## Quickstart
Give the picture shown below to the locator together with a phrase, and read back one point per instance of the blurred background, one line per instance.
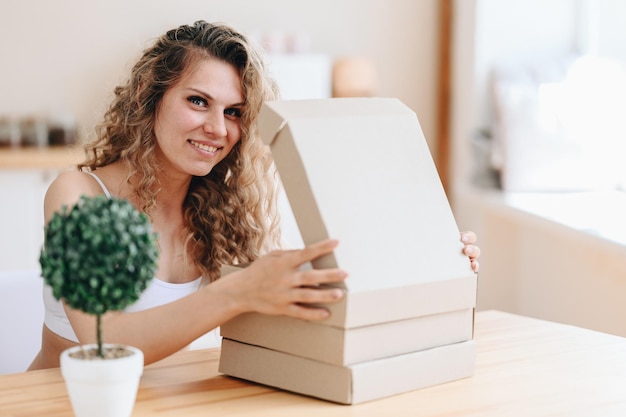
(521, 101)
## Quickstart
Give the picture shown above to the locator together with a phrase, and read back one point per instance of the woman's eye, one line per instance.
(198, 101)
(233, 112)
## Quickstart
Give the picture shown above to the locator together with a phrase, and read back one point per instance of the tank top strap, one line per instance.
(104, 188)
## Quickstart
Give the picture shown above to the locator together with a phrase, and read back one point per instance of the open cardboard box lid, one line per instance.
(359, 170)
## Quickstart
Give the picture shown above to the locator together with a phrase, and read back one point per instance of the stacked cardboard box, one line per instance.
(359, 170)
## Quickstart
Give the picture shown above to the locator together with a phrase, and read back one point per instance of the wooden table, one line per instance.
(525, 367)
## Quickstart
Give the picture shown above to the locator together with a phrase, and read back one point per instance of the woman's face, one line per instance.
(198, 120)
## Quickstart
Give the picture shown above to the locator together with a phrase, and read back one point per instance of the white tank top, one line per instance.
(157, 293)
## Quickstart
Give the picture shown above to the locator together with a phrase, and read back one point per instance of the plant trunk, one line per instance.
(99, 330)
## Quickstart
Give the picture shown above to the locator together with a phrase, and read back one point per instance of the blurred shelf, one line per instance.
(53, 157)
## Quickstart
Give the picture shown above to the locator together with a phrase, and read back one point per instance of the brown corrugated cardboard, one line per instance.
(349, 385)
(349, 346)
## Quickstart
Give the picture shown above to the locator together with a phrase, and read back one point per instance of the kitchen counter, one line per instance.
(53, 157)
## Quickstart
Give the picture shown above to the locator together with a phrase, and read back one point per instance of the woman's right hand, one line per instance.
(275, 285)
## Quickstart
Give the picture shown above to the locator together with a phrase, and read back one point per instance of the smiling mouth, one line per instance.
(203, 147)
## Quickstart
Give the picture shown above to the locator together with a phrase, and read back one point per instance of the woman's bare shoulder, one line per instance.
(74, 183)
(66, 189)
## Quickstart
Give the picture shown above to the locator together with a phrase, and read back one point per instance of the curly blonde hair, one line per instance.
(230, 214)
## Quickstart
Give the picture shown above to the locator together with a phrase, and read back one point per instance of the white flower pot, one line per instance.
(102, 387)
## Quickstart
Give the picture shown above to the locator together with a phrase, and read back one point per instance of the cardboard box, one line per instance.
(342, 347)
(359, 170)
(354, 384)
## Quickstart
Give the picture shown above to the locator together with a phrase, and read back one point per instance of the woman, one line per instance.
(179, 142)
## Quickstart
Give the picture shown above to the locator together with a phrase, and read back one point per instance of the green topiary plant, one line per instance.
(99, 256)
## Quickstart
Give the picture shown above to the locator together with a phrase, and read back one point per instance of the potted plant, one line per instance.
(97, 257)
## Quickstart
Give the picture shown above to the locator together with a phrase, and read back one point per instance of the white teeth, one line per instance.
(203, 147)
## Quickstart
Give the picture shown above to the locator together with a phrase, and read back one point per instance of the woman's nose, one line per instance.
(215, 124)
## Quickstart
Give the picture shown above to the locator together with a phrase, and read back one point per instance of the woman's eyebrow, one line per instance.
(210, 97)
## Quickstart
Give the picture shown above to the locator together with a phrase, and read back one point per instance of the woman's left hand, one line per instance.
(471, 250)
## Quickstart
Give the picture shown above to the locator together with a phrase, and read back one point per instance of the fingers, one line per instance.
(316, 250)
(305, 299)
(277, 284)
(317, 295)
(310, 313)
(304, 303)
(308, 307)
(306, 293)
(475, 265)
(314, 277)
(472, 251)
(468, 237)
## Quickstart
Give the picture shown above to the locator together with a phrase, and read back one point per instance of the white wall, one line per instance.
(67, 55)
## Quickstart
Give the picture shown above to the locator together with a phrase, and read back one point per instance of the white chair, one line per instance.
(21, 318)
